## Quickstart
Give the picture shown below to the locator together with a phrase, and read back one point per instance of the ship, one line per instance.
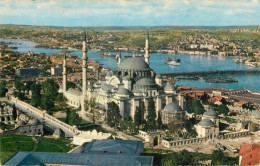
(172, 61)
(107, 55)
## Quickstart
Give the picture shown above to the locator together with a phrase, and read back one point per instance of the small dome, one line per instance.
(256, 114)
(106, 87)
(172, 108)
(21, 123)
(133, 63)
(109, 74)
(211, 113)
(34, 122)
(158, 76)
(145, 81)
(206, 123)
(169, 86)
(123, 91)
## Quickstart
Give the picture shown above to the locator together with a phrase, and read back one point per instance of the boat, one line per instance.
(172, 61)
(107, 55)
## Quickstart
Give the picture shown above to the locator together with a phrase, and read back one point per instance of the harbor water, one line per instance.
(188, 63)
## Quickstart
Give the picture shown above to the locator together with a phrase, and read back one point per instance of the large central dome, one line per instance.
(133, 63)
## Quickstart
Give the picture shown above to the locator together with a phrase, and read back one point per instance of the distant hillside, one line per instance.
(125, 28)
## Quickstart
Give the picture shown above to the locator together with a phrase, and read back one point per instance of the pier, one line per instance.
(211, 73)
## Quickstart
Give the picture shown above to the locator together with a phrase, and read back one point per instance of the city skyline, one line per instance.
(130, 13)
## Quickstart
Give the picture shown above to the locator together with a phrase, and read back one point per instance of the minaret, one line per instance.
(64, 73)
(84, 72)
(146, 55)
(119, 58)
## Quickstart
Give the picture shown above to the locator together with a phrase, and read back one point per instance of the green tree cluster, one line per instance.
(113, 115)
(3, 89)
(183, 157)
(194, 106)
(151, 116)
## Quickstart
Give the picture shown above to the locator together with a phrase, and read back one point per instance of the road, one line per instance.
(45, 122)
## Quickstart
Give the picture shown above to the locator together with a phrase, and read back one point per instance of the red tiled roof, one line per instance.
(242, 102)
(250, 154)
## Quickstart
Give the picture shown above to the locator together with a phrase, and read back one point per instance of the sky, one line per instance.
(130, 12)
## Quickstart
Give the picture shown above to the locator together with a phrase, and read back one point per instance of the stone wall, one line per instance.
(79, 136)
(26, 130)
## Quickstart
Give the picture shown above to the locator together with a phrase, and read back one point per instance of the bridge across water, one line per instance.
(214, 72)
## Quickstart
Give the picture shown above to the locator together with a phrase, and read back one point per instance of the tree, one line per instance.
(183, 157)
(138, 117)
(74, 118)
(36, 95)
(151, 123)
(14, 112)
(220, 158)
(222, 109)
(113, 115)
(47, 102)
(67, 115)
(91, 106)
(194, 106)
(159, 121)
(50, 88)
(3, 89)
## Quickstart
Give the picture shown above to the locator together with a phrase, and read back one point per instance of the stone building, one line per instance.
(172, 113)
(207, 129)
(211, 115)
(6, 114)
(129, 86)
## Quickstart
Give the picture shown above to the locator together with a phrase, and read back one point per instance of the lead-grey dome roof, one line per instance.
(123, 91)
(211, 113)
(256, 114)
(169, 86)
(145, 81)
(206, 123)
(172, 108)
(106, 87)
(134, 63)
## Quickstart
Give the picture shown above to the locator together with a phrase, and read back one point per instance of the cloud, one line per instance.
(137, 10)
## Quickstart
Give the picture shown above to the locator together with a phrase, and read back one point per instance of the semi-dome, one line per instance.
(133, 63)
(211, 113)
(206, 123)
(21, 123)
(169, 86)
(158, 76)
(34, 122)
(106, 87)
(172, 108)
(127, 78)
(123, 91)
(256, 114)
(145, 81)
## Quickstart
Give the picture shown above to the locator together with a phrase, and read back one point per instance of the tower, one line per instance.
(64, 73)
(146, 55)
(84, 72)
(119, 58)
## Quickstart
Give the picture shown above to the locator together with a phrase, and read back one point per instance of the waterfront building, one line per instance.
(129, 86)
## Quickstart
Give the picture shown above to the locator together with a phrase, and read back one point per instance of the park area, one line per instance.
(11, 144)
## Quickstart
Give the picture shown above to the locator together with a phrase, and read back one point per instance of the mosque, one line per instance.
(129, 86)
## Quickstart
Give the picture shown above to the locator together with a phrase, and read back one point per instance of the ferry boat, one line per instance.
(172, 61)
(107, 55)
